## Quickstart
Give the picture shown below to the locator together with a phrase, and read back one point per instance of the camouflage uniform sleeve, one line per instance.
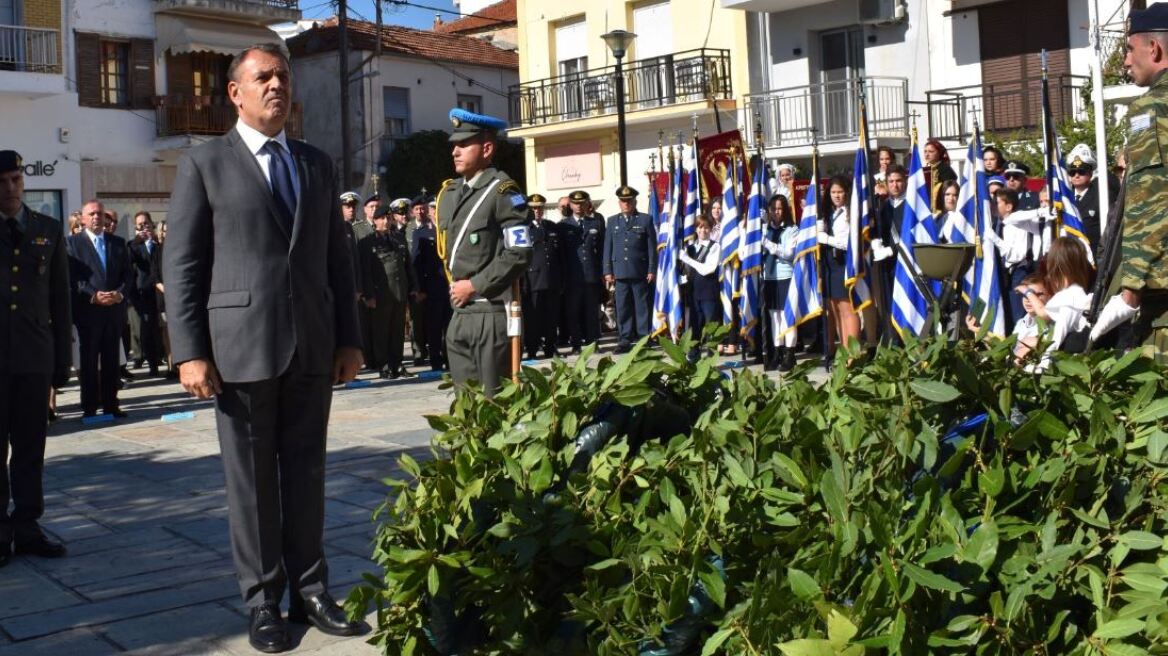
(514, 252)
(1145, 226)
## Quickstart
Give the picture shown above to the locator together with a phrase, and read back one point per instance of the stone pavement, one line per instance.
(141, 505)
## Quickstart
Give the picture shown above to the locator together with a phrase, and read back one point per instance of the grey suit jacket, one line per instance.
(241, 290)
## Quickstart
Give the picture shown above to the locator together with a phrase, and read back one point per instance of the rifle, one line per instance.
(1109, 257)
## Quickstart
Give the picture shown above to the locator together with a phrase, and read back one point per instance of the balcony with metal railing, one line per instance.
(266, 12)
(1003, 107)
(790, 116)
(179, 116)
(30, 61)
(675, 79)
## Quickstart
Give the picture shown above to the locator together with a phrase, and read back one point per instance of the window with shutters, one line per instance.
(115, 73)
(470, 103)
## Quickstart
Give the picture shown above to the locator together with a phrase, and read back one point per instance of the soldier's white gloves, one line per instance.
(1114, 314)
(880, 251)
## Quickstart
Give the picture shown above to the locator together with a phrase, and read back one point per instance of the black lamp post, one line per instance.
(618, 42)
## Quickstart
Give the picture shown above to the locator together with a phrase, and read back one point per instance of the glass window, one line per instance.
(115, 73)
(471, 103)
(47, 202)
(397, 111)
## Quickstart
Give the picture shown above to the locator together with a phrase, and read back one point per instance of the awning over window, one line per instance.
(185, 34)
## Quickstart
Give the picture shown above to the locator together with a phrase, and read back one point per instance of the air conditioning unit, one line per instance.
(882, 12)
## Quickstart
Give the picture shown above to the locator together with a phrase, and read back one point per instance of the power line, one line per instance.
(447, 11)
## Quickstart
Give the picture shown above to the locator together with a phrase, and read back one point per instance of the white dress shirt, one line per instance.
(255, 142)
(710, 263)
(840, 230)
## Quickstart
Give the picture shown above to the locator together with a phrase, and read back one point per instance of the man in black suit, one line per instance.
(35, 351)
(261, 316)
(543, 282)
(99, 268)
(583, 232)
(143, 297)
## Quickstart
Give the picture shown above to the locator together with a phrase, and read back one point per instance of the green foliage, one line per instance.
(423, 160)
(847, 520)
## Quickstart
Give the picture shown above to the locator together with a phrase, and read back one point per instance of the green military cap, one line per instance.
(579, 196)
(469, 124)
(1152, 19)
(10, 161)
(536, 199)
(626, 192)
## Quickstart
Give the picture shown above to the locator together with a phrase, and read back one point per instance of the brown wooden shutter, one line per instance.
(142, 73)
(88, 69)
(1011, 35)
(180, 75)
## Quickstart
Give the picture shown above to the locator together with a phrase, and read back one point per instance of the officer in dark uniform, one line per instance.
(389, 286)
(349, 201)
(630, 262)
(433, 292)
(35, 352)
(484, 239)
(583, 234)
(362, 228)
(1016, 174)
(544, 281)
(419, 216)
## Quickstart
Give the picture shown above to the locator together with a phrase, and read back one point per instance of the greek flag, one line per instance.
(959, 224)
(689, 223)
(729, 242)
(803, 301)
(986, 304)
(910, 307)
(1062, 197)
(750, 255)
(666, 294)
(856, 255)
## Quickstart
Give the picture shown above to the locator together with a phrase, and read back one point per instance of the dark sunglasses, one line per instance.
(1015, 176)
(1078, 171)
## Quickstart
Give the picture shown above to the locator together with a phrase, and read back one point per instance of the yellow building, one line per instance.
(689, 58)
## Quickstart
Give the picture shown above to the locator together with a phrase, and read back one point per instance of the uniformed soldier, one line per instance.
(630, 262)
(1085, 185)
(484, 240)
(35, 353)
(583, 233)
(362, 228)
(389, 286)
(349, 202)
(1016, 174)
(433, 293)
(1140, 286)
(419, 216)
(544, 281)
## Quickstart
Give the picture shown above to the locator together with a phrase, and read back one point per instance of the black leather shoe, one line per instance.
(125, 374)
(5, 547)
(34, 542)
(267, 631)
(623, 347)
(325, 614)
(118, 413)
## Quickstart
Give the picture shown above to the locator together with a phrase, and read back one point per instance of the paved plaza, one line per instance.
(141, 505)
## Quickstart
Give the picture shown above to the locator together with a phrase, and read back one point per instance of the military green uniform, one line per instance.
(484, 239)
(1145, 218)
(362, 229)
(389, 280)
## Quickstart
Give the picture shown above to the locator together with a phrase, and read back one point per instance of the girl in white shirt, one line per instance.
(833, 239)
(1068, 275)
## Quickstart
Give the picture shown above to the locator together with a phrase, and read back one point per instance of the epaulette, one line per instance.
(508, 186)
(448, 182)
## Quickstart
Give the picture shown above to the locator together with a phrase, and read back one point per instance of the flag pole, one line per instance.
(1048, 156)
(820, 254)
(878, 275)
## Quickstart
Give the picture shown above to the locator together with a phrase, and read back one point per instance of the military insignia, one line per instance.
(508, 186)
(474, 239)
(517, 237)
(41, 268)
(593, 231)
(41, 241)
(517, 200)
(1140, 123)
(455, 121)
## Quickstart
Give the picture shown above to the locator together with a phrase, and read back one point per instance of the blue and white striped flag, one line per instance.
(750, 255)
(728, 241)
(959, 224)
(986, 304)
(804, 300)
(666, 292)
(856, 255)
(689, 222)
(910, 307)
(1062, 197)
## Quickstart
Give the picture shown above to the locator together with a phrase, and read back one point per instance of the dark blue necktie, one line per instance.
(282, 187)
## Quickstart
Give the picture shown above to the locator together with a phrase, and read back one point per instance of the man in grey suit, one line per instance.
(259, 287)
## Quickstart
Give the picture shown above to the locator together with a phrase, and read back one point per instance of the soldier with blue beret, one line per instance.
(485, 242)
(630, 263)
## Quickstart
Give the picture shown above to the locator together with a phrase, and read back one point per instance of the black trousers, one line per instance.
(634, 309)
(145, 344)
(438, 312)
(272, 437)
(100, 341)
(24, 408)
(580, 312)
(543, 312)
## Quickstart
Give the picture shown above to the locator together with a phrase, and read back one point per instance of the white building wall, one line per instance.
(38, 139)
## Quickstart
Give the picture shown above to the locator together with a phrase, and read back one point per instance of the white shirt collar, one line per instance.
(896, 202)
(474, 180)
(93, 237)
(255, 140)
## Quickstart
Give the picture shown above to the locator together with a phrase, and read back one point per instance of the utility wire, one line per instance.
(406, 3)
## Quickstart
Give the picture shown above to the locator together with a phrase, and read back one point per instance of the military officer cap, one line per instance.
(399, 206)
(1016, 168)
(382, 210)
(371, 198)
(626, 192)
(579, 196)
(1080, 157)
(996, 179)
(350, 197)
(418, 200)
(10, 161)
(536, 200)
(1152, 19)
(469, 124)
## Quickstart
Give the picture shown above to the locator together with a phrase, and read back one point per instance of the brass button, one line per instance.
(15, 269)
(16, 251)
(15, 288)
(12, 307)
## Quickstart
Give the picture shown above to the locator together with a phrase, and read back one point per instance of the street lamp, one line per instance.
(618, 42)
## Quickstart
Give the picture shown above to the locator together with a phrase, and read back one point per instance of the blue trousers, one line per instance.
(634, 308)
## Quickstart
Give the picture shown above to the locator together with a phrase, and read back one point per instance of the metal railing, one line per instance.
(790, 115)
(1003, 107)
(208, 115)
(29, 49)
(672, 79)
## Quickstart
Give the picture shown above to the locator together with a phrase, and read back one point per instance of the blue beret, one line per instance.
(1152, 19)
(468, 124)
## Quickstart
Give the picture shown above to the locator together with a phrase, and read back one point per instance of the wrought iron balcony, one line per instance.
(674, 79)
(789, 116)
(1003, 107)
(264, 11)
(208, 115)
(29, 49)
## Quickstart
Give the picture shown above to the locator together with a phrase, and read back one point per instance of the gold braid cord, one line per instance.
(439, 233)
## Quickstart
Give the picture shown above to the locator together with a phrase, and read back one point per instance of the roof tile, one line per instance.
(423, 44)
